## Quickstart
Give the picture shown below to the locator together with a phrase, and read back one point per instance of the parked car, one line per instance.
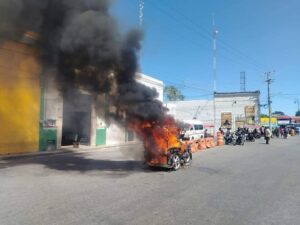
(193, 129)
(297, 128)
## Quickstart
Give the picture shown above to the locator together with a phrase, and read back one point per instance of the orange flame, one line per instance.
(158, 137)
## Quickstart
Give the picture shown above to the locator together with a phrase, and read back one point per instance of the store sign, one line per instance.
(283, 122)
(250, 111)
(265, 121)
(226, 119)
(250, 115)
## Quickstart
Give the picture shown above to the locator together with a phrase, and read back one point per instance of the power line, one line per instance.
(191, 42)
(297, 102)
(186, 86)
(197, 45)
(206, 35)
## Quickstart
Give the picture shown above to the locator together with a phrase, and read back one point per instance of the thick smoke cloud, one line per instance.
(81, 40)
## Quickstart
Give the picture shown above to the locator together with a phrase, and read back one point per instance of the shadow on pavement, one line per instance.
(78, 163)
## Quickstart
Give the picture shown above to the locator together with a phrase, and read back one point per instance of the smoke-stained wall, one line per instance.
(111, 129)
(19, 98)
(81, 40)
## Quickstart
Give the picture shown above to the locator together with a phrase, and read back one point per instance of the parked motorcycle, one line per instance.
(240, 139)
(250, 137)
(229, 139)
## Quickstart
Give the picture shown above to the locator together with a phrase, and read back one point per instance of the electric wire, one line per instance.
(207, 35)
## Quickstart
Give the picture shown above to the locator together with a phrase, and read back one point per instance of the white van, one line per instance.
(192, 129)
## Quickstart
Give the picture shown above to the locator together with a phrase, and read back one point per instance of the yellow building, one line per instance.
(19, 98)
(36, 116)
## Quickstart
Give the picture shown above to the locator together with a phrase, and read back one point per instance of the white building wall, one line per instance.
(53, 104)
(224, 102)
(117, 134)
(151, 82)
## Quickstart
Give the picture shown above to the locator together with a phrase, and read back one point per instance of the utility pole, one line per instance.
(214, 65)
(141, 12)
(214, 68)
(269, 80)
(297, 102)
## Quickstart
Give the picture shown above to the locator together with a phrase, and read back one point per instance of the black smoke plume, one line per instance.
(81, 40)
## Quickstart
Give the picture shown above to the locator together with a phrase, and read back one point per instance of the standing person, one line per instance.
(205, 133)
(281, 132)
(268, 135)
(261, 129)
(277, 132)
(286, 132)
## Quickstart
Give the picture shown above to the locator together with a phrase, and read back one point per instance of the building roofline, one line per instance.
(189, 101)
(149, 78)
(237, 92)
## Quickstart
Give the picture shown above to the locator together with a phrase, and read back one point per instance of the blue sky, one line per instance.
(255, 36)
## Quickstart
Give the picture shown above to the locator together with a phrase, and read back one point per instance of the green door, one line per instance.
(47, 139)
(101, 136)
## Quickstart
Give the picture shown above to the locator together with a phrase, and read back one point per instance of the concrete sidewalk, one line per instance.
(71, 149)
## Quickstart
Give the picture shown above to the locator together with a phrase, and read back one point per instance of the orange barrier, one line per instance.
(293, 133)
(212, 143)
(208, 143)
(194, 146)
(202, 144)
(220, 139)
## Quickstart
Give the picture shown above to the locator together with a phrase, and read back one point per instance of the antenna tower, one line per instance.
(141, 12)
(243, 81)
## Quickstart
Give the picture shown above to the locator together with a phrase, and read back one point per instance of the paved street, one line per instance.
(232, 185)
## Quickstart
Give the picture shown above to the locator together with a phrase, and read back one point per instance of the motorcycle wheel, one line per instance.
(188, 159)
(176, 162)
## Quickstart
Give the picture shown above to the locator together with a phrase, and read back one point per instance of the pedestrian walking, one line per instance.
(268, 134)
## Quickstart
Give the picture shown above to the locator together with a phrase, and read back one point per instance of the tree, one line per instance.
(278, 113)
(173, 94)
(298, 113)
(264, 116)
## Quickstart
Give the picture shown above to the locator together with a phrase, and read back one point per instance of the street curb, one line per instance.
(70, 150)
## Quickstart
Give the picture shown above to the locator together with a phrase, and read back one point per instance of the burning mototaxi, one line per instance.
(162, 145)
(172, 157)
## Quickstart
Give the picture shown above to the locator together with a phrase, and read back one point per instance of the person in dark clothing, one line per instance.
(277, 132)
(285, 132)
(262, 131)
(205, 133)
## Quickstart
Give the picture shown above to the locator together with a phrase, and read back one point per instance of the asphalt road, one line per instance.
(232, 185)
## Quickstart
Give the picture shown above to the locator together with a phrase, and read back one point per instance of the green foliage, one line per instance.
(264, 116)
(278, 113)
(297, 113)
(173, 94)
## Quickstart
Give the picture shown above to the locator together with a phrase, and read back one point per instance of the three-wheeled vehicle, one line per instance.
(172, 157)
